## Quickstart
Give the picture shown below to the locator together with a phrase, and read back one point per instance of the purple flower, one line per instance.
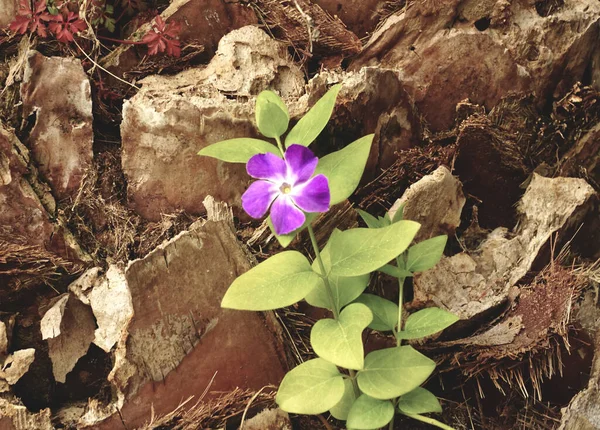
(286, 186)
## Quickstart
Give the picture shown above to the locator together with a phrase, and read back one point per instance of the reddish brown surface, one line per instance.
(180, 337)
(56, 96)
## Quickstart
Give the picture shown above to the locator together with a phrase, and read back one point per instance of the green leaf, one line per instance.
(419, 401)
(427, 322)
(279, 281)
(392, 372)
(315, 120)
(109, 24)
(398, 215)
(369, 413)
(363, 250)
(238, 150)
(344, 289)
(424, 255)
(312, 388)
(385, 313)
(285, 239)
(340, 341)
(369, 219)
(272, 116)
(345, 167)
(394, 271)
(340, 411)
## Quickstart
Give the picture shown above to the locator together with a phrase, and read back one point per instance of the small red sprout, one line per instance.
(163, 37)
(32, 20)
(65, 25)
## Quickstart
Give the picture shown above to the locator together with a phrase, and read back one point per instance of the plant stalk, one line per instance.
(315, 245)
(334, 309)
(431, 421)
(282, 154)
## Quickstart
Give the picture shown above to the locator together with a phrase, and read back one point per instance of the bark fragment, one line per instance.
(435, 201)
(470, 283)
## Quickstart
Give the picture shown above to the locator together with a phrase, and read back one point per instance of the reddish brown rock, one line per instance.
(56, 98)
(470, 283)
(22, 215)
(435, 202)
(179, 328)
(361, 17)
(452, 50)
(8, 10)
(206, 22)
(372, 100)
(172, 118)
(203, 24)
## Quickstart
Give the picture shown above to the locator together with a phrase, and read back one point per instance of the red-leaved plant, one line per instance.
(38, 20)
(163, 38)
(33, 20)
(65, 25)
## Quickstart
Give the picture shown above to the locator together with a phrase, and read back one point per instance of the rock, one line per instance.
(68, 326)
(583, 159)
(203, 24)
(17, 417)
(111, 304)
(436, 202)
(583, 411)
(269, 419)
(8, 10)
(179, 328)
(206, 22)
(56, 98)
(3, 340)
(468, 284)
(16, 365)
(110, 301)
(21, 211)
(172, 118)
(491, 168)
(483, 51)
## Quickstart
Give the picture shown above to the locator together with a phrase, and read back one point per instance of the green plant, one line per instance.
(294, 185)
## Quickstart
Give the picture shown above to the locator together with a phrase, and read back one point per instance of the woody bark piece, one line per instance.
(491, 168)
(172, 118)
(483, 56)
(435, 201)
(16, 365)
(468, 284)
(179, 328)
(359, 16)
(583, 159)
(308, 27)
(57, 98)
(21, 212)
(17, 417)
(68, 326)
(8, 10)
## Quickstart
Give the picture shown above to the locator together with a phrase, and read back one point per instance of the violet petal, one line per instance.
(266, 166)
(286, 216)
(258, 197)
(301, 163)
(314, 195)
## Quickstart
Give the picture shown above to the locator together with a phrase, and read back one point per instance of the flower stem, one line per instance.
(399, 328)
(401, 279)
(282, 153)
(431, 421)
(334, 308)
(124, 42)
(315, 245)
